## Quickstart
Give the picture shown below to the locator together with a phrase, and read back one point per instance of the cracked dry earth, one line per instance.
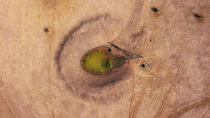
(42, 42)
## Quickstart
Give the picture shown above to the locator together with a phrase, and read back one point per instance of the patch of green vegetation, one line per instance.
(97, 62)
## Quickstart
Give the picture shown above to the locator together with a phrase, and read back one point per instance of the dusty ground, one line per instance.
(42, 41)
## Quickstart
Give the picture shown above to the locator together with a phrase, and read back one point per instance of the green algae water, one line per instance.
(97, 62)
(100, 60)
